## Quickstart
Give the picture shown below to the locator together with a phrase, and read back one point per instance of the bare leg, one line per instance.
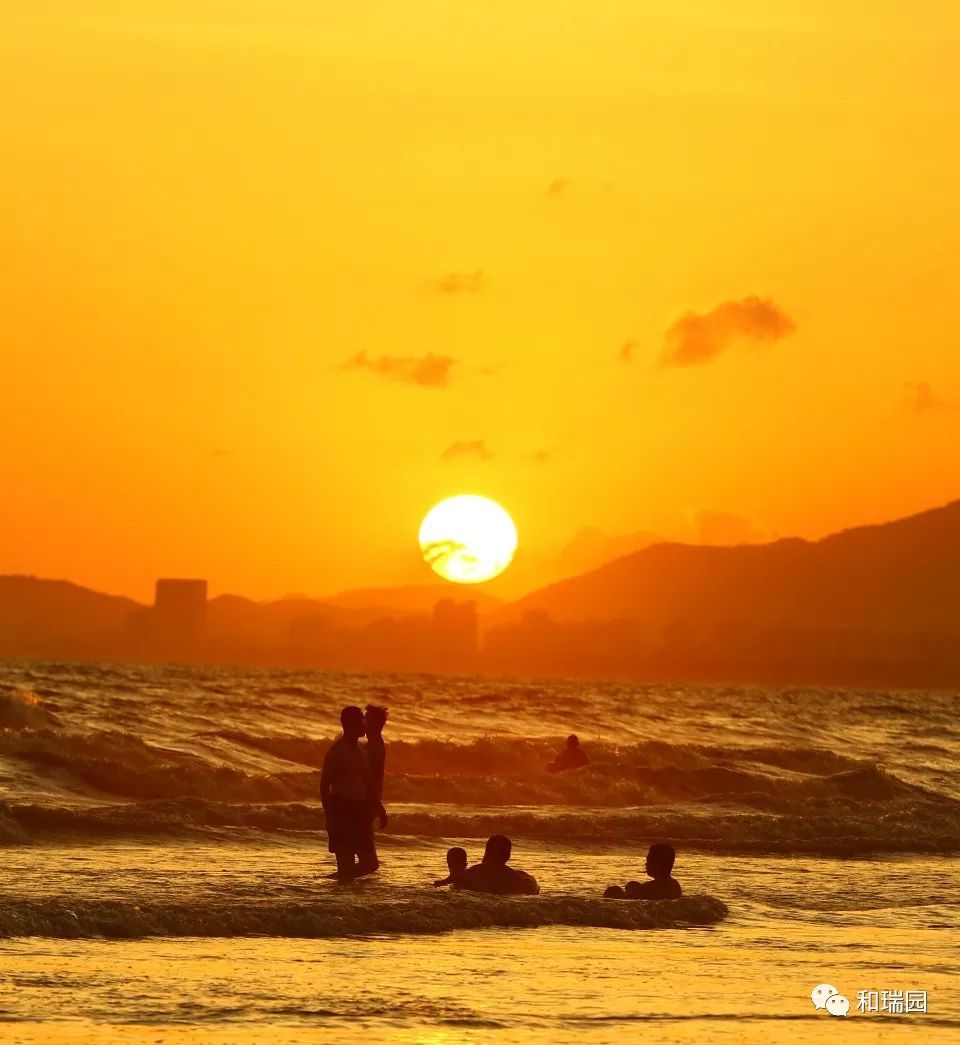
(367, 866)
(367, 859)
(346, 868)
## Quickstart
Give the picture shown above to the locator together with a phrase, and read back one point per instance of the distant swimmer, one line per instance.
(571, 757)
(492, 875)
(456, 865)
(664, 886)
(349, 798)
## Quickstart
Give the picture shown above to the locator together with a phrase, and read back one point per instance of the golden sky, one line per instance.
(277, 276)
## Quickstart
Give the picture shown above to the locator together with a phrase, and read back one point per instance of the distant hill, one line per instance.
(414, 599)
(876, 605)
(591, 548)
(235, 619)
(58, 619)
(49, 617)
(902, 576)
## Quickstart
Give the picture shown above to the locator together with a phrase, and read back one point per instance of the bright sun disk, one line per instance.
(468, 539)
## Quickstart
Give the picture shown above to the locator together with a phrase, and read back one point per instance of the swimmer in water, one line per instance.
(660, 859)
(571, 757)
(456, 865)
(492, 875)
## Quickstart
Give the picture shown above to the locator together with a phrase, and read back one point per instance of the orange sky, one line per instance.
(210, 207)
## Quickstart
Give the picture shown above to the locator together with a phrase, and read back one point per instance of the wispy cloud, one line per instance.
(559, 186)
(468, 448)
(923, 399)
(722, 528)
(542, 457)
(436, 550)
(627, 350)
(461, 283)
(427, 371)
(699, 337)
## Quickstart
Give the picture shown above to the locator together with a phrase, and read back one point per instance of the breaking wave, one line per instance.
(497, 771)
(21, 708)
(99, 751)
(829, 830)
(421, 914)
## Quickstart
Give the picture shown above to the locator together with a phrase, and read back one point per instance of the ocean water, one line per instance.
(163, 860)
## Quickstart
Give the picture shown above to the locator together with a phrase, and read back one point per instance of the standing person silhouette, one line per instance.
(347, 794)
(374, 720)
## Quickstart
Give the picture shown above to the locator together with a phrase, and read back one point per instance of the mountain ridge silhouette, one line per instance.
(883, 594)
(903, 574)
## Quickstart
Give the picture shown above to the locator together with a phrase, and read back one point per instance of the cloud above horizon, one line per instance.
(468, 448)
(627, 350)
(427, 371)
(461, 283)
(723, 528)
(699, 337)
(923, 399)
(591, 547)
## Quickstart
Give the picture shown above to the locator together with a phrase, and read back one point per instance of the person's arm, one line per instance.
(561, 763)
(326, 775)
(527, 884)
(444, 881)
(369, 790)
(636, 891)
(471, 879)
(373, 786)
(377, 754)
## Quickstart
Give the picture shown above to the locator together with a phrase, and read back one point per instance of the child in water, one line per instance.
(664, 886)
(456, 865)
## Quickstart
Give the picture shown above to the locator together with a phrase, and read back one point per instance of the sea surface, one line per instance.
(163, 856)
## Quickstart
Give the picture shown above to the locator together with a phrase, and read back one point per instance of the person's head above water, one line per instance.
(351, 718)
(456, 858)
(660, 858)
(573, 740)
(376, 719)
(498, 850)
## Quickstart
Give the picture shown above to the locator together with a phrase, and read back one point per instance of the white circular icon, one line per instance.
(837, 1005)
(821, 993)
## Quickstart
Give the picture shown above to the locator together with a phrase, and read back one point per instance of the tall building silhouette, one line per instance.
(454, 633)
(180, 611)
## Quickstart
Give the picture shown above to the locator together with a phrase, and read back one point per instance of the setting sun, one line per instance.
(468, 539)
(309, 312)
